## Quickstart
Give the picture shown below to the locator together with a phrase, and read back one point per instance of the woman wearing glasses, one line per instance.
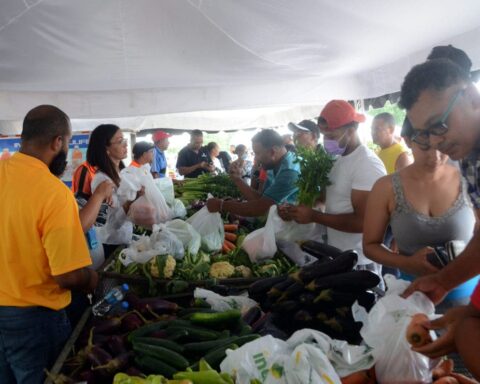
(426, 205)
(107, 149)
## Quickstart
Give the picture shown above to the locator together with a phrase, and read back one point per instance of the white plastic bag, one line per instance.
(384, 330)
(142, 213)
(179, 210)
(270, 360)
(210, 227)
(224, 303)
(254, 361)
(140, 251)
(184, 232)
(261, 244)
(162, 237)
(165, 186)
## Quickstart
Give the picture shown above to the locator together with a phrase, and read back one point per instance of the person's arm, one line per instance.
(187, 170)
(345, 222)
(403, 161)
(84, 279)
(253, 208)
(377, 218)
(88, 214)
(235, 172)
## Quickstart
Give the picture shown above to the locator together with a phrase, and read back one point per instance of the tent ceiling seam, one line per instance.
(243, 46)
(15, 18)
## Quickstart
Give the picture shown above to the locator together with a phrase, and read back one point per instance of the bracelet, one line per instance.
(221, 205)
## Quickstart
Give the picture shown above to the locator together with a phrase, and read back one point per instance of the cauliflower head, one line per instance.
(243, 271)
(222, 270)
(162, 266)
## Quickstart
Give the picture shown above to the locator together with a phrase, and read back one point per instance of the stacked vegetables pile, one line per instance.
(220, 186)
(157, 337)
(319, 295)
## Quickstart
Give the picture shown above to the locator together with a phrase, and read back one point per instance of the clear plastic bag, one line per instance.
(179, 210)
(165, 186)
(210, 227)
(162, 237)
(224, 303)
(384, 330)
(142, 213)
(184, 232)
(261, 244)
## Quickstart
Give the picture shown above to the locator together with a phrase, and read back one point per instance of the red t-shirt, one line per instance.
(475, 299)
(263, 175)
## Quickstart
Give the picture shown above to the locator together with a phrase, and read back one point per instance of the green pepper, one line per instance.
(201, 377)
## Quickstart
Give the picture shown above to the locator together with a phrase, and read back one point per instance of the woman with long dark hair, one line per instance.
(106, 151)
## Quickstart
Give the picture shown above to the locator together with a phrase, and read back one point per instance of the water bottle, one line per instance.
(119, 308)
(115, 295)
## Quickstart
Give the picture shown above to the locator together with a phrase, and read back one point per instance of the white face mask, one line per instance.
(244, 156)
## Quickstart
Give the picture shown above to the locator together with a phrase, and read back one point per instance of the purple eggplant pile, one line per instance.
(318, 296)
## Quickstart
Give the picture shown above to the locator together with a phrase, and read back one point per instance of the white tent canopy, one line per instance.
(144, 63)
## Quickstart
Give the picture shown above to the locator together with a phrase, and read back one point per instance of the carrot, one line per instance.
(230, 237)
(225, 248)
(446, 380)
(229, 245)
(417, 335)
(230, 227)
(445, 368)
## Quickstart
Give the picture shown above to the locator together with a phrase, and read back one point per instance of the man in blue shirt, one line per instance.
(159, 166)
(281, 187)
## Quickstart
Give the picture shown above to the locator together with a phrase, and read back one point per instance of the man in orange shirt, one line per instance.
(142, 154)
(43, 253)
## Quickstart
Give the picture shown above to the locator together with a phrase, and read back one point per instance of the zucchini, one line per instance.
(218, 319)
(169, 344)
(167, 356)
(147, 329)
(348, 281)
(343, 263)
(149, 364)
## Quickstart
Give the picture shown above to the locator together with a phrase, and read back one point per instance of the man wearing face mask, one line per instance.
(354, 172)
(43, 253)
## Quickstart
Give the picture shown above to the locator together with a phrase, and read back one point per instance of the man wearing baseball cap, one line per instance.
(305, 134)
(353, 174)
(159, 165)
(142, 154)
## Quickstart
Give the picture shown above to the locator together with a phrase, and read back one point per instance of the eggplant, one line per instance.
(117, 345)
(261, 287)
(348, 281)
(108, 326)
(321, 251)
(59, 378)
(303, 317)
(98, 356)
(132, 321)
(133, 371)
(341, 264)
(259, 324)
(114, 365)
(155, 304)
(252, 315)
(306, 299)
(334, 298)
(367, 300)
(292, 292)
(279, 289)
(285, 307)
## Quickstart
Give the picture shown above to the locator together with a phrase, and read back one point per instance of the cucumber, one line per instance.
(147, 329)
(186, 312)
(202, 347)
(169, 344)
(178, 334)
(215, 357)
(195, 333)
(151, 365)
(218, 319)
(167, 356)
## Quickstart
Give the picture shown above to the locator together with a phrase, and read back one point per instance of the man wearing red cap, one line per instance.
(159, 165)
(355, 171)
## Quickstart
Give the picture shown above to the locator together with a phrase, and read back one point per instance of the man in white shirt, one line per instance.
(352, 177)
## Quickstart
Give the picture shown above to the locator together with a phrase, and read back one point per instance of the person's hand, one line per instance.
(283, 211)
(430, 285)
(211, 168)
(105, 190)
(203, 165)
(140, 192)
(445, 344)
(235, 169)
(418, 265)
(301, 214)
(214, 205)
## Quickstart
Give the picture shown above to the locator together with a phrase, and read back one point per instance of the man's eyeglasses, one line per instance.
(439, 128)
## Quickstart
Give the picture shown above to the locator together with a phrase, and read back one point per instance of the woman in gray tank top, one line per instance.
(426, 205)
